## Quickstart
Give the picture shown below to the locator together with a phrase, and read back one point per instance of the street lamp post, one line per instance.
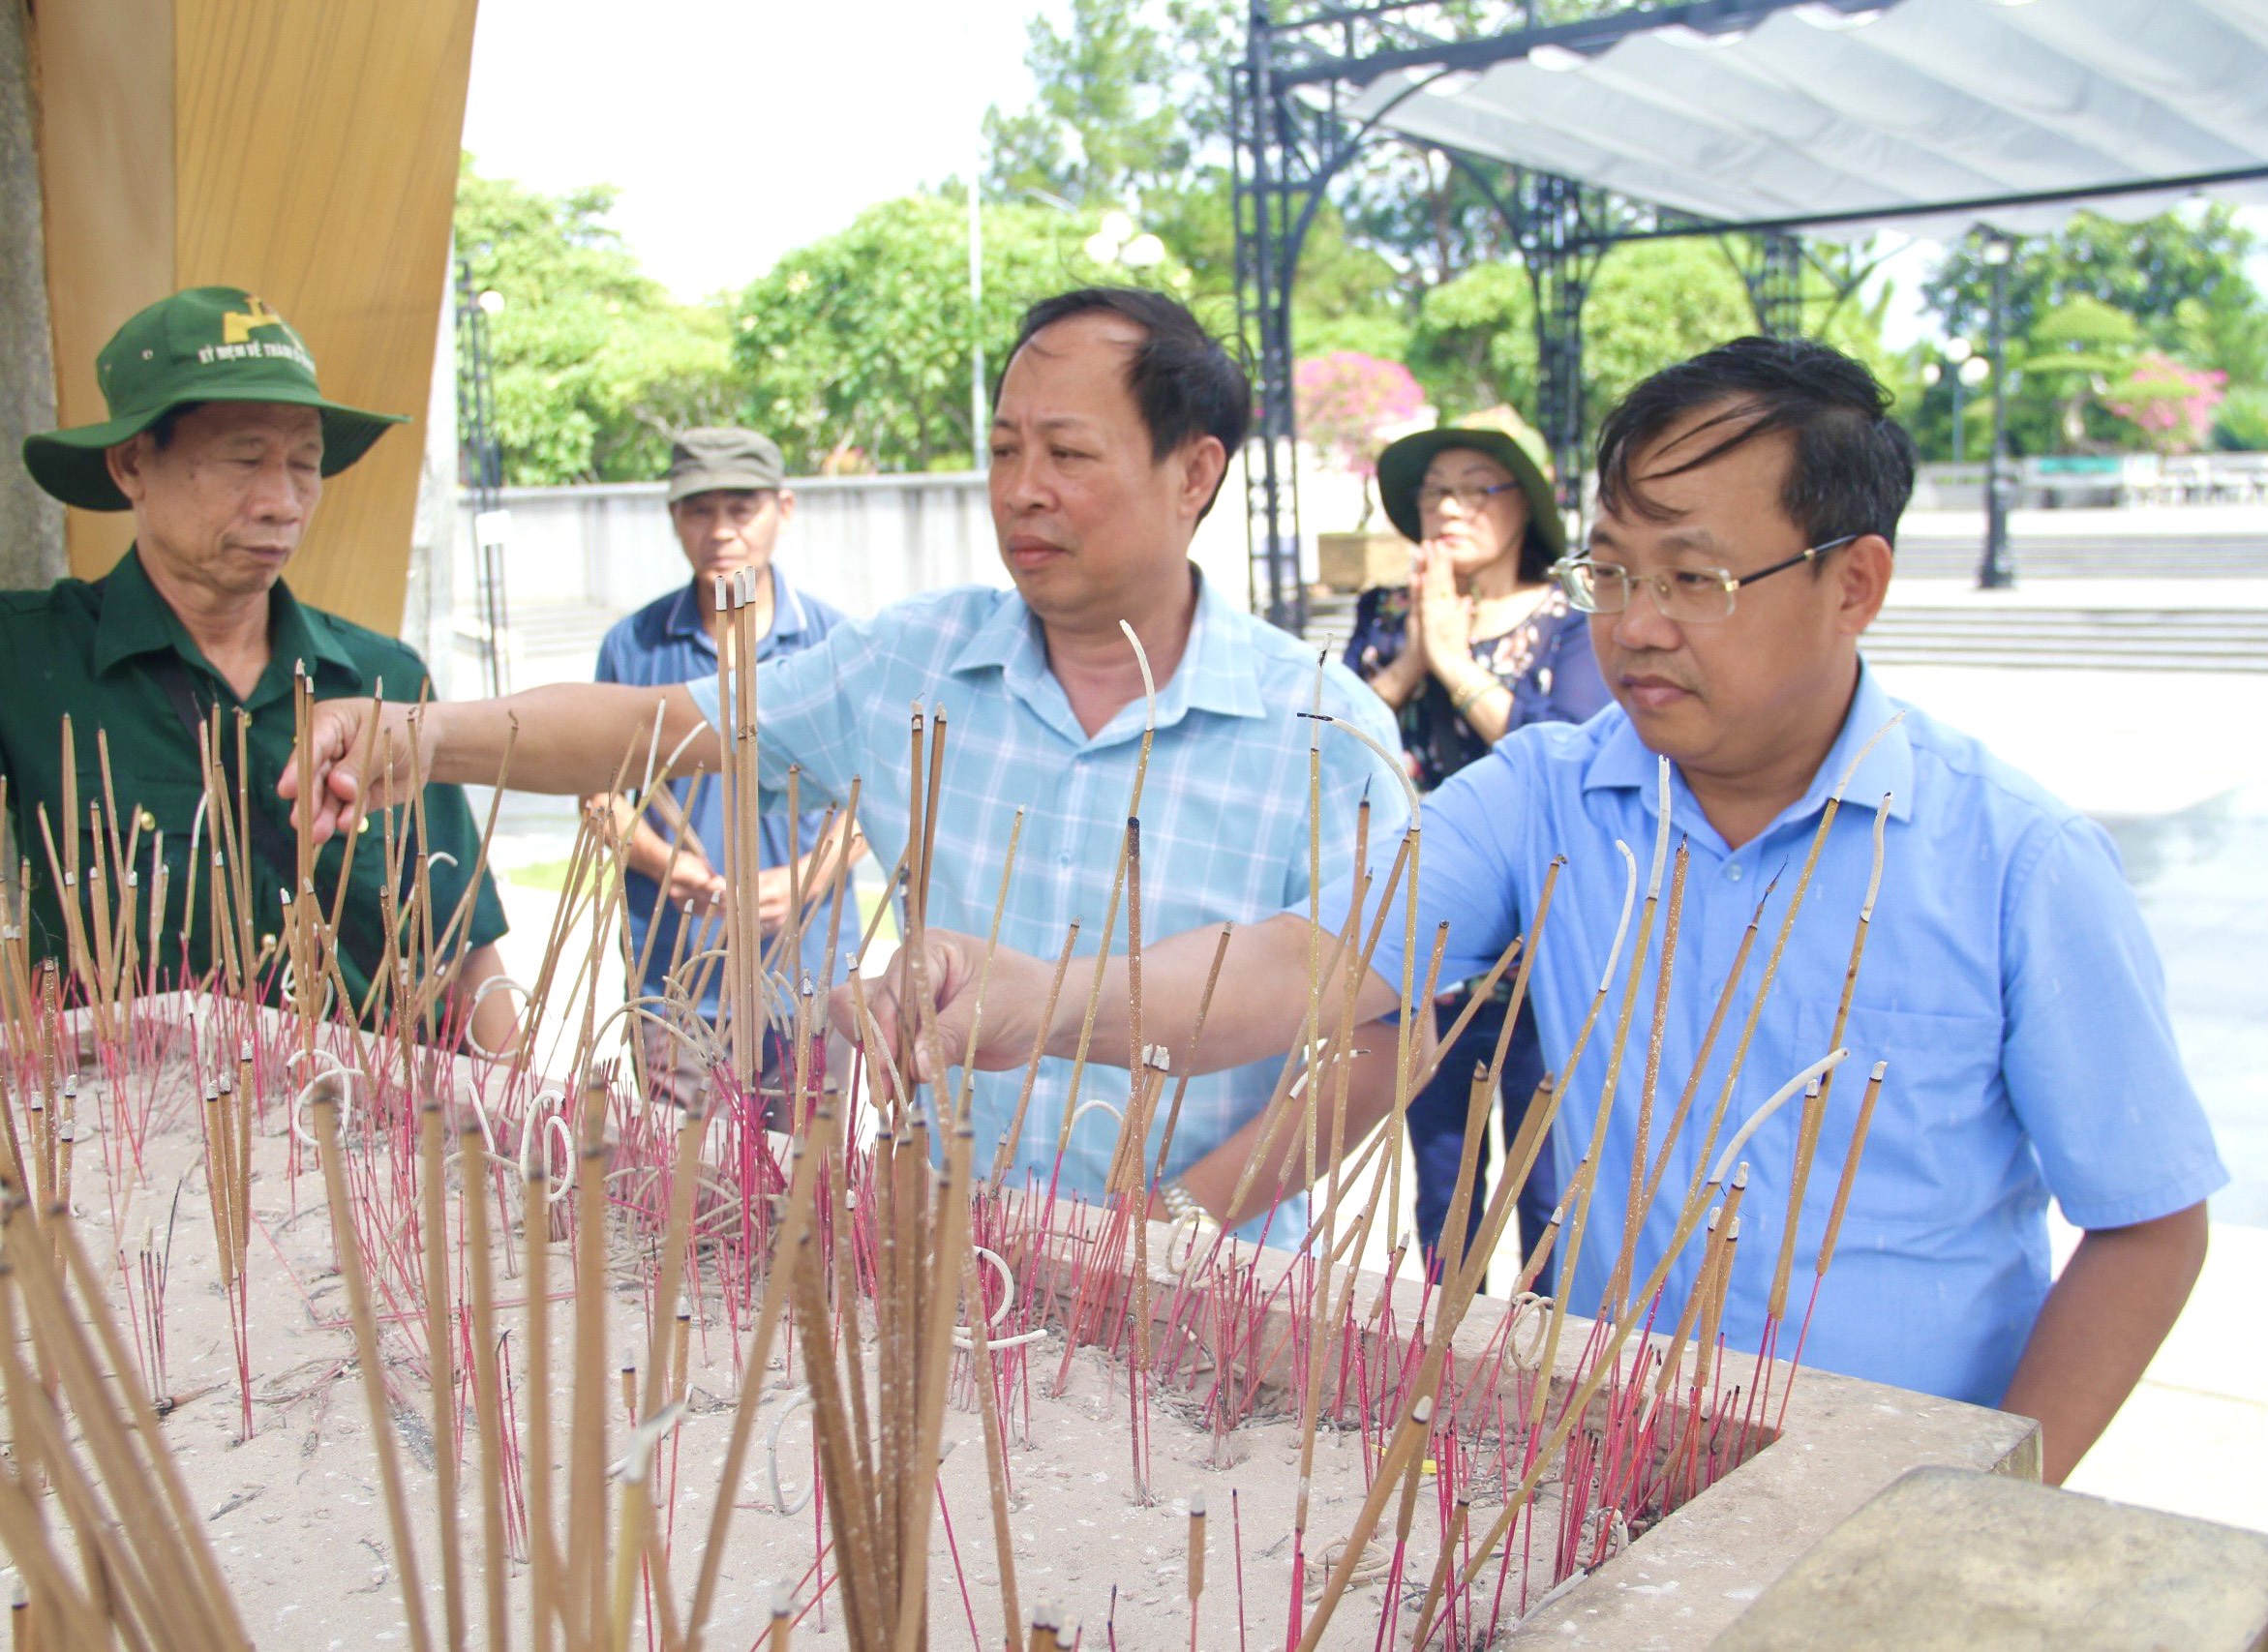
(1969, 369)
(1998, 570)
(977, 420)
(1973, 372)
(480, 466)
(979, 424)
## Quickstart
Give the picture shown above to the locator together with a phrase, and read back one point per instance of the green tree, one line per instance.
(1409, 256)
(595, 366)
(1131, 110)
(862, 339)
(1473, 345)
(2180, 276)
(1105, 131)
(1650, 303)
(2076, 352)
(2242, 420)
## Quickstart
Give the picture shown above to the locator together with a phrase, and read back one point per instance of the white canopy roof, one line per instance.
(1841, 117)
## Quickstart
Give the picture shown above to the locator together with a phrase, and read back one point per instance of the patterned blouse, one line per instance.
(1545, 661)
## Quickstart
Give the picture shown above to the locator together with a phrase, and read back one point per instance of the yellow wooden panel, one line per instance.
(106, 102)
(316, 150)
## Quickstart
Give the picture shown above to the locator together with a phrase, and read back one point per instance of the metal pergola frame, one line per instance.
(1294, 134)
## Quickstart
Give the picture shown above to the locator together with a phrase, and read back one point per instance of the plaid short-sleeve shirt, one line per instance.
(1223, 809)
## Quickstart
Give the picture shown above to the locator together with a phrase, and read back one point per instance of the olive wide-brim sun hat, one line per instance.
(1401, 468)
(206, 344)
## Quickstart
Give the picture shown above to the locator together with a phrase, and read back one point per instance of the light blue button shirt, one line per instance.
(2008, 981)
(1223, 809)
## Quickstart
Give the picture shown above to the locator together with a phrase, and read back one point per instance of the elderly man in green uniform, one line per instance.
(218, 442)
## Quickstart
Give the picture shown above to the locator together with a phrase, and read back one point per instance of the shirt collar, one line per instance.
(136, 620)
(1215, 674)
(1220, 671)
(683, 624)
(1885, 767)
(788, 617)
(308, 634)
(1623, 763)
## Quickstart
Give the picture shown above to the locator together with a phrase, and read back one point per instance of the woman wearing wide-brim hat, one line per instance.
(1478, 643)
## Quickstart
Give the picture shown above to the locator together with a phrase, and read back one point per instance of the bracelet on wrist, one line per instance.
(1179, 1202)
(1465, 698)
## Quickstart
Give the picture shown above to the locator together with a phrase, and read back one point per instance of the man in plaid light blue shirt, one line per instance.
(1112, 428)
(1224, 806)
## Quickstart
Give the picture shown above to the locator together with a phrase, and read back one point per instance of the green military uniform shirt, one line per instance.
(98, 650)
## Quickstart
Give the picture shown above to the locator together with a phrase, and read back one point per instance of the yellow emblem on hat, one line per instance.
(236, 325)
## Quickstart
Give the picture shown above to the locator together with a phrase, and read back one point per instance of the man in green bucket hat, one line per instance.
(219, 440)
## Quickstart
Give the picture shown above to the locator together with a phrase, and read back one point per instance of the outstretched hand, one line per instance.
(953, 965)
(361, 756)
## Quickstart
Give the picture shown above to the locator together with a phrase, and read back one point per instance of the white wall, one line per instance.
(860, 542)
(857, 542)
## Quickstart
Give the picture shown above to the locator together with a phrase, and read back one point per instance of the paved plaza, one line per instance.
(2176, 765)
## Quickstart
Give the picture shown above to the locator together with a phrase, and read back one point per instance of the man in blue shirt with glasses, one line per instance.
(1747, 502)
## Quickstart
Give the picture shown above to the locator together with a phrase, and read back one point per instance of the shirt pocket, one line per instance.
(1940, 1146)
(155, 817)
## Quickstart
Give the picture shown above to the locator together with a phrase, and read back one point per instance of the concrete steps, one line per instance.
(2203, 554)
(2167, 639)
(1979, 633)
(558, 627)
(545, 642)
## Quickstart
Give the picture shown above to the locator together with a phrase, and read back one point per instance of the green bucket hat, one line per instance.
(208, 343)
(1401, 468)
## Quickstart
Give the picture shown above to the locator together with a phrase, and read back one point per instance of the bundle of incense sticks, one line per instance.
(867, 1234)
(140, 1567)
(736, 681)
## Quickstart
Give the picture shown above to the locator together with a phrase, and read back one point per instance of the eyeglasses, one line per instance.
(1472, 499)
(1688, 596)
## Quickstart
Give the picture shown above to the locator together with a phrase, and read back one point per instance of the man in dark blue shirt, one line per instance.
(728, 500)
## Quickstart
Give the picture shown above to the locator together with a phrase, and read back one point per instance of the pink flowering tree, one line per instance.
(2171, 405)
(1344, 401)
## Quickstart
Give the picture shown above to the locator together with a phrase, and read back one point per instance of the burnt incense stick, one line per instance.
(1014, 1134)
(145, 1541)
(439, 1353)
(995, 1448)
(585, 1579)
(116, 1589)
(324, 1114)
(1815, 1106)
(1634, 1212)
(790, 1255)
(535, 1239)
(850, 1510)
(1197, 1562)
(487, 1399)
(1607, 1363)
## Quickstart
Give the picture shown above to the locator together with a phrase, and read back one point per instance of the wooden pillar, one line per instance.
(304, 149)
(31, 524)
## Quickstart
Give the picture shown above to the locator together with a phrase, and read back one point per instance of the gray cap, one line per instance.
(704, 461)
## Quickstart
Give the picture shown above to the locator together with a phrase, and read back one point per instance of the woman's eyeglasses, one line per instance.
(1472, 499)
